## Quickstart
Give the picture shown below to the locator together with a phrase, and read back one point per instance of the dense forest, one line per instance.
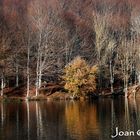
(40, 38)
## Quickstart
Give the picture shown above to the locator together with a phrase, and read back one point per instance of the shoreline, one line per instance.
(58, 93)
(58, 96)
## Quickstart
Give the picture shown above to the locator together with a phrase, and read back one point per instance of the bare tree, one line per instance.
(102, 41)
(135, 22)
(28, 43)
(109, 54)
(39, 17)
(5, 44)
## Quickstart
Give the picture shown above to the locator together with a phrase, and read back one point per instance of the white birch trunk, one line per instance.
(126, 86)
(17, 75)
(2, 84)
(38, 67)
(138, 77)
(111, 77)
(36, 94)
(28, 73)
(37, 78)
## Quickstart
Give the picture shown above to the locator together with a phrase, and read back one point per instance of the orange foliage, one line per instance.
(80, 77)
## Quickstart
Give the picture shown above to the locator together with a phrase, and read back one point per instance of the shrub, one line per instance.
(79, 77)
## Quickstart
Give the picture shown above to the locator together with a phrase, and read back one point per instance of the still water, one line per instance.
(69, 120)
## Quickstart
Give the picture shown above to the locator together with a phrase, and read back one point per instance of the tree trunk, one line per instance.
(17, 75)
(138, 77)
(99, 65)
(37, 76)
(37, 87)
(66, 54)
(111, 78)
(28, 84)
(28, 73)
(126, 86)
(38, 67)
(2, 84)
(40, 70)
(40, 79)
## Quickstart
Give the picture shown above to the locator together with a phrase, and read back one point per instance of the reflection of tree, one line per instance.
(28, 120)
(135, 112)
(2, 119)
(127, 115)
(3, 113)
(80, 118)
(112, 116)
(39, 122)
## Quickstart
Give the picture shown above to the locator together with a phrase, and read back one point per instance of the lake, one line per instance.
(69, 120)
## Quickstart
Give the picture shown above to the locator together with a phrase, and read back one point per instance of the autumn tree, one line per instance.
(80, 78)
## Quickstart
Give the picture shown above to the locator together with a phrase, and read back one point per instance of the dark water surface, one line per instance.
(69, 120)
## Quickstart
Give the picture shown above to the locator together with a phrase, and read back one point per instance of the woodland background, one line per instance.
(38, 38)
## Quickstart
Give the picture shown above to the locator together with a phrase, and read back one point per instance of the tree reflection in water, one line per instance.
(127, 117)
(68, 120)
(39, 122)
(28, 119)
(81, 120)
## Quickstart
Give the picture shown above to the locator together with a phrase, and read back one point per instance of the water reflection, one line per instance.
(127, 117)
(81, 120)
(2, 114)
(134, 105)
(113, 123)
(39, 122)
(60, 120)
(28, 120)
